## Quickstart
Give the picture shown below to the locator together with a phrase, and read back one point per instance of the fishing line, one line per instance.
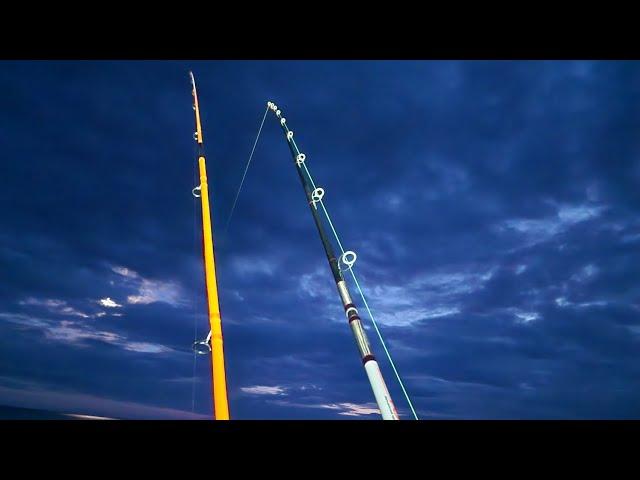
(253, 149)
(195, 303)
(355, 279)
(245, 172)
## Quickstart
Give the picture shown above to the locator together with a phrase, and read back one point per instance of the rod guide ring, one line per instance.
(202, 347)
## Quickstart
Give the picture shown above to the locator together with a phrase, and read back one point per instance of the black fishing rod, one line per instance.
(314, 196)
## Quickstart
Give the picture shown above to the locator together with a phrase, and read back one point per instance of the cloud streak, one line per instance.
(77, 333)
(150, 291)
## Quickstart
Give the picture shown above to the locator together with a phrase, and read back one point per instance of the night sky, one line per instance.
(493, 207)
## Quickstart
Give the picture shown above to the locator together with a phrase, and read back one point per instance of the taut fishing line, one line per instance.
(318, 198)
(364, 300)
(208, 339)
(245, 172)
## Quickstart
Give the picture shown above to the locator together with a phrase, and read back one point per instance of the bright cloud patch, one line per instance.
(353, 409)
(125, 272)
(107, 302)
(264, 390)
(344, 408)
(526, 317)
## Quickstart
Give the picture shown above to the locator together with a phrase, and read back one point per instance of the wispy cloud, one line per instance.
(344, 408)
(316, 284)
(585, 274)
(33, 395)
(144, 347)
(408, 316)
(564, 302)
(541, 230)
(87, 417)
(125, 272)
(520, 269)
(426, 296)
(439, 384)
(54, 306)
(150, 291)
(264, 390)
(526, 317)
(77, 333)
(352, 409)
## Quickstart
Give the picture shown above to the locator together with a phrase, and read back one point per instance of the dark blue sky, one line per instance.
(493, 206)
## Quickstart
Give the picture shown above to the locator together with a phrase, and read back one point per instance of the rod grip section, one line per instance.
(383, 399)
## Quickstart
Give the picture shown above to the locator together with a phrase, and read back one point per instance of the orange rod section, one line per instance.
(220, 402)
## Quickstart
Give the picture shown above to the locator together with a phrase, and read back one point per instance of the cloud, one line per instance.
(425, 296)
(563, 302)
(354, 409)
(49, 303)
(343, 408)
(54, 306)
(87, 417)
(408, 316)
(317, 284)
(541, 230)
(76, 333)
(586, 273)
(264, 390)
(309, 387)
(145, 347)
(107, 302)
(150, 291)
(520, 269)
(527, 317)
(572, 214)
(251, 265)
(125, 272)
(33, 395)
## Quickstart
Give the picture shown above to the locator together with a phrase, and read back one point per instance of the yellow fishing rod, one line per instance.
(213, 342)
